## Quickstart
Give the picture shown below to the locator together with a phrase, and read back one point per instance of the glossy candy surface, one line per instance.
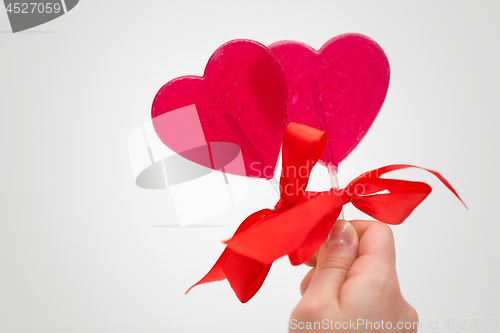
(338, 89)
(241, 99)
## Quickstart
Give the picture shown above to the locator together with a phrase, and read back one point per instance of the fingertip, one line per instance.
(335, 259)
(376, 240)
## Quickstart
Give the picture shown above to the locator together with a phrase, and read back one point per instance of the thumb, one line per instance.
(335, 258)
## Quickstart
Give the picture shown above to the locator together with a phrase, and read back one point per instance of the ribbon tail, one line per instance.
(287, 232)
(404, 196)
(245, 275)
(216, 273)
(222, 267)
(380, 171)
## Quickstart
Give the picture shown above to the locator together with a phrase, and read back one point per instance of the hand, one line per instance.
(353, 283)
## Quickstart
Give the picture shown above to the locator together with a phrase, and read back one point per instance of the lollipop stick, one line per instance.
(275, 185)
(227, 186)
(333, 171)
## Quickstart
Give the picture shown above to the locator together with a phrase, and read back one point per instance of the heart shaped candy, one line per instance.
(338, 89)
(241, 98)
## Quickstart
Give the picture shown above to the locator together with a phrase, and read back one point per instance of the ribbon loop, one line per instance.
(302, 148)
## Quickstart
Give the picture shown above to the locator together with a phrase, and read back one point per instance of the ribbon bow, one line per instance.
(301, 220)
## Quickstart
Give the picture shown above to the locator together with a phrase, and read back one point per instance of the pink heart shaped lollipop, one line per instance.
(338, 89)
(241, 99)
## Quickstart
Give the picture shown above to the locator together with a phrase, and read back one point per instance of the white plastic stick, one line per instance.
(333, 171)
(275, 185)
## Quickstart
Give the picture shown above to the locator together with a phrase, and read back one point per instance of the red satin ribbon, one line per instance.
(301, 220)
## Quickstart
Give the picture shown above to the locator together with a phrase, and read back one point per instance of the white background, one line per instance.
(78, 248)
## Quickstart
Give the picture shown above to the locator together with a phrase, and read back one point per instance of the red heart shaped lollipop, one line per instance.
(338, 89)
(241, 98)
